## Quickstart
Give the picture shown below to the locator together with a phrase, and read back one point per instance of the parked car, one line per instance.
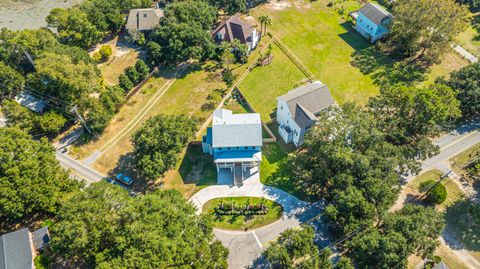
(124, 179)
(114, 182)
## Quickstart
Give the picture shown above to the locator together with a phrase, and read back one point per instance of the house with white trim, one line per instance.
(235, 142)
(372, 21)
(298, 109)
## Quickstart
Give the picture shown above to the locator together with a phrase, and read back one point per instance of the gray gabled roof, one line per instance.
(236, 130)
(375, 13)
(143, 19)
(312, 98)
(16, 250)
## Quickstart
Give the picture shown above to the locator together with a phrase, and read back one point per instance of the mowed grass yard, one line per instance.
(318, 36)
(265, 83)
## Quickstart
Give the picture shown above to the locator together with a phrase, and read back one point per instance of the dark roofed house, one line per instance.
(298, 109)
(235, 28)
(18, 249)
(372, 21)
(143, 19)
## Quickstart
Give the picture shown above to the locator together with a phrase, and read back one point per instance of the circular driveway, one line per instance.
(246, 246)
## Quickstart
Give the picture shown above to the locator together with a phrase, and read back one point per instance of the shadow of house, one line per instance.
(352, 38)
(197, 168)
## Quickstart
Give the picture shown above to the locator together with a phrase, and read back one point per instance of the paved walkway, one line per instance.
(467, 55)
(246, 246)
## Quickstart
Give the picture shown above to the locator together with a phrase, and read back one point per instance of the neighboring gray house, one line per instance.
(441, 265)
(143, 19)
(235, 141)
(298, 109)
(18, 249)
(235, 28)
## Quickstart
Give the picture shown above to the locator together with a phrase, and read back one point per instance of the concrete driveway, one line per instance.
(246, 246)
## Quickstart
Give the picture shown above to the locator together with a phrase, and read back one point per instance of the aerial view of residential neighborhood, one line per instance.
(240, 134)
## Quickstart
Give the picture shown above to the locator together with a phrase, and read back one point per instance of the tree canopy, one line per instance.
(412, 230)
(31, 180)
(159, 141)
(11, 81)
(419, 31)
(466, 83)
(106, 228)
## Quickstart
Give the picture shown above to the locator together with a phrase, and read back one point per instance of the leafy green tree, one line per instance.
(32, 182)
(15, 45)
(230, 6)
(133, 75)
(50, 122)
(159, 141)
(112, 98)
(11, 82)
(264, 22)
(418, 30)
(74, 27)
(294, 249)
(97, 116)
(409, 115)
(412, 230)
(105, 52)
(466, 83)
(125, 83)
(177, 42)
(344, 263)
(195, 12)
(107, 228)
(19, 116)
(142, 69)
(474, 4)
(436, 195)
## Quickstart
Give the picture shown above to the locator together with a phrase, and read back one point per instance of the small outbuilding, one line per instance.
(143, 19)
(372, 21)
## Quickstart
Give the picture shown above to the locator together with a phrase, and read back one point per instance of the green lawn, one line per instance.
(241, 222)
(324, 43)
(465, 157)
(265, 83)
(470, 38)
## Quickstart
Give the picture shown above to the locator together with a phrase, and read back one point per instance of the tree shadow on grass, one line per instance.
(352, 38)
(197, 167)
(463, 225)
(126, 167)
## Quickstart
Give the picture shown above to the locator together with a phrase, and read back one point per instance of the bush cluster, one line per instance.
(133, 75)
(231, 208)
(437, 195)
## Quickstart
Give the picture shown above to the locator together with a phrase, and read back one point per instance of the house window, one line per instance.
(253, 147)
(360, 20)
(281, 107)
(228, 148)
(144, 15)
(220, 148)
(245, 147)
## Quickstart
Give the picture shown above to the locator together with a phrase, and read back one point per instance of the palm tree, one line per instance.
(264, 22)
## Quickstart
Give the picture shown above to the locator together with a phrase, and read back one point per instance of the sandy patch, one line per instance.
(279, 5)
(302, 4)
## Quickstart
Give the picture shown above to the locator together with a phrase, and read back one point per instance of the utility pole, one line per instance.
(80, 118)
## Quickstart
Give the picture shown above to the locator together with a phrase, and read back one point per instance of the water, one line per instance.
(29, 14)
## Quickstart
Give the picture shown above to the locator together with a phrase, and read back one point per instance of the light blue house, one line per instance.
(372, 21)
(298, 109)
(235, 141)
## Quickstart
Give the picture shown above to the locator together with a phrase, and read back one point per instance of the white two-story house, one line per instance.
(298, 109)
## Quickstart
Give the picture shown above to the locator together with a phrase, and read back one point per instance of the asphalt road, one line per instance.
(78, 169)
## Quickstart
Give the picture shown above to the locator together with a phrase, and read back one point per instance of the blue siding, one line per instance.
(369, 29)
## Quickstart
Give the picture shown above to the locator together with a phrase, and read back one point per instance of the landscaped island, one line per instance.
(242, 213)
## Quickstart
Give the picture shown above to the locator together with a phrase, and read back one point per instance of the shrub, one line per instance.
(437, 195)
(132, 74)
(105, 52)
(228, 77)
(142, 69)
(97, 57)
(125, 83)
(51, 122)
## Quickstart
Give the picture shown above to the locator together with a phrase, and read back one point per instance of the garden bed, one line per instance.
(242, 213)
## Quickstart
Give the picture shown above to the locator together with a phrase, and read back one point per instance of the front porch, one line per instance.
(236, 174)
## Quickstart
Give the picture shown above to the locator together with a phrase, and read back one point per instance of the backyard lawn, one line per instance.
(265, 83)
(324, 43)
(241, 221)
(112, 69)
(470, 38)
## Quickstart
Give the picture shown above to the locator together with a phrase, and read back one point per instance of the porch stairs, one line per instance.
(237, 175)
